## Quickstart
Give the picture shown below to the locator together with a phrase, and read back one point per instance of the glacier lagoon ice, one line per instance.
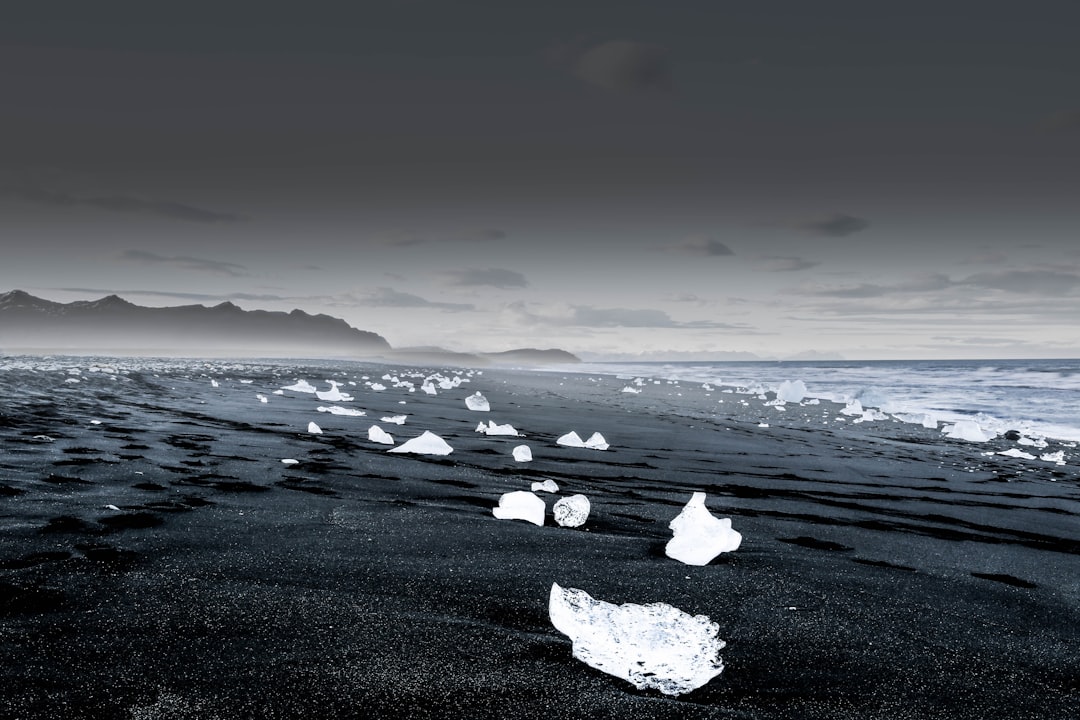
(521, 505)
(426, 444)
(571, 439)
(699, 536)
(477, 402)
(334, 394)
(302, 386)
(523, 453)
(571, 511)
(337, 410)
(791, 391)
(596, 441)
(395, 419)
(547, 485)
(314, 429)
(654, 646)
(967, 430)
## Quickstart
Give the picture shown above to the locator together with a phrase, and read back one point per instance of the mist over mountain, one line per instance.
(114, 325)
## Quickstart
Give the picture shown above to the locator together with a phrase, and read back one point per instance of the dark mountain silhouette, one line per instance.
(114, 325)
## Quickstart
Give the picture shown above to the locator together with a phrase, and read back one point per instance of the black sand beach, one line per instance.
(885, 571)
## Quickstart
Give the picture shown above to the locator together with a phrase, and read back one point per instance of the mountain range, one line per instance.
(113, 325)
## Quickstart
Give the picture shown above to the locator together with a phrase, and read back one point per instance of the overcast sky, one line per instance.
(871, 179)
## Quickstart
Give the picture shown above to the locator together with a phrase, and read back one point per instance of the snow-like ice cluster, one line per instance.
(571, 511)
(654, 646)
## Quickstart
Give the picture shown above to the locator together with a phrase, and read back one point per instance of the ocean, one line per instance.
(1038, 397)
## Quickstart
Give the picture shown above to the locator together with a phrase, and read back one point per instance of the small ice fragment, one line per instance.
(571, 439)
(596, 441)
(333, 394)
(378, 435)
(520, 505)
(43, 438)
(853, 408)
(262, 398)
(214, 383)
(289, 461)
(314, 429)
(378, 387)
(522, 453)
(632, 390)
(481, 427)
(395, 419)
(493, 429)
(763, 425)
(428, 388)
(571, 511)
(95, 422)
(279, 392)
(477, 402)
(426, 444)
(246, 382)
(301, 386)
(548, 485)
(113, 508)
(337, 410)
(698, 535)
(654, 646)
(1057, 457)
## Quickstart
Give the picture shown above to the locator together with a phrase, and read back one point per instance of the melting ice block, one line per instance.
(427, 444)
(395, 419)
(493, 429)
(520, 505)
(336, 410)
(596, 441)
(548, 485)
(378, 435)
(477, 402)
(301, 386)
(654, 646)
(334, 394)
(571, 439)
(571, 511)
(698, 535)
(522, 453)
(314, 429)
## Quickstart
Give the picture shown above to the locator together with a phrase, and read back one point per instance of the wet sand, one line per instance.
(885, 572)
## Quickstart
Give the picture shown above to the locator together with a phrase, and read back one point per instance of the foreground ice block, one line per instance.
(477, 402)
(547, 485)
(522, 453)
(654, 646)
(520, 505)
(698, 535)
(314, 429)
(571, 511)
(301, 386)
(427, 444)
(596, 441)
(967, 430)
(791, 391)
(571, 439)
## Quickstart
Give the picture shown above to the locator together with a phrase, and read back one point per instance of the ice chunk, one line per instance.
(548, 485)
(377, 387)
(336, 410)
(571, 439)
(792, 392)
(428, 388)
(314, 429)
(378, 435)
(214, 383)
(301, 386)
(654, 646)
(630, 389)
(853, 408)
(395, 419)
(967, 430)
(596, 441)
(262, 398)
(427, 444)
(1017, 453)
(493, 429)
(334, 394)
(520, 505)
(481, 427)
(698, 535)
(522, 453)
(477, 402)
(1057, 457)
(571, 511)
(289, 461)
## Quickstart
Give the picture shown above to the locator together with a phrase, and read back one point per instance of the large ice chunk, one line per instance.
(698, 535)
(571, 439)
(521, 505)
(427, 444)
(334, 394)
(508, 429)
(571, 511)
(654, 646)
(314, 429)
(596, 441)
(477, 402)
(792, 392)
(301, 386)
(967, 430)
(337, 410)
(522, 453)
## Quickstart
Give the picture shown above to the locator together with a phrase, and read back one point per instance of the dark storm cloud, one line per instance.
(1027, 282)
(704, 246)
(122, 204)
(1062, 121)
(776, 263)
(217, 267)
(490, 277)
(618, 65)
(835, 225)
(388, 297)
